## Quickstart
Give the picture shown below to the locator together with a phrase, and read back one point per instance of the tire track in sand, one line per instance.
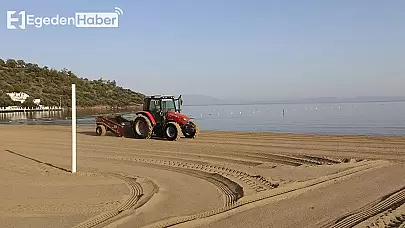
(231, 190)
(252, 158)
(136, 192)
(255, 182)
(391, 218)
(390, 212)
(269, 194)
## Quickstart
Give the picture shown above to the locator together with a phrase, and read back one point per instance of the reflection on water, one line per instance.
(17, 116)
(58, 116)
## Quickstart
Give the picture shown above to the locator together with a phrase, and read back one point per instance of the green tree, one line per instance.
(29, 103)
(5, 100)
(11, 63)
(20, 63)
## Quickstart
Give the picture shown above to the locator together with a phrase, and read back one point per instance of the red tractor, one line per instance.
(163, 118)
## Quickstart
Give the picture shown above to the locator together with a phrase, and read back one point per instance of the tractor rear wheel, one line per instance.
(143, 128)
(190, 130)
(172, 131)
(101, 130)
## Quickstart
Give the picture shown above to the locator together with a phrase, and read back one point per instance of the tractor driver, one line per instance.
(155, 107)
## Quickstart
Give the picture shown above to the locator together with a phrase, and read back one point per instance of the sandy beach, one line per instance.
(220, 179)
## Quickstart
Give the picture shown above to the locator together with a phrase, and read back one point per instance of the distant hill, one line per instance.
(54, 86)
(347, 99)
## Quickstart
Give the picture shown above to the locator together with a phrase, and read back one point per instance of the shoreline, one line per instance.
(92, 126)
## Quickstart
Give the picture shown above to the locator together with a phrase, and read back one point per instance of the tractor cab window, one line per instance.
(154, 106)
(168, 105)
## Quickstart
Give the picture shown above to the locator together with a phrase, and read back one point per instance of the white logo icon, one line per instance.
(79, 20)
(119, 11)
(11, 19)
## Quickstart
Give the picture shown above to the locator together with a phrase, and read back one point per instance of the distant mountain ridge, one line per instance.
(347, 99)
(199, 100)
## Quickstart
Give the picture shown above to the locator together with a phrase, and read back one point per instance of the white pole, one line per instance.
(73, 128)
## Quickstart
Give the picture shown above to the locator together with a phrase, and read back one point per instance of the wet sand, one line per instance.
(220, 179)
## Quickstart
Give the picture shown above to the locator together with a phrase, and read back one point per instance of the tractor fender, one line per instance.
(149, 115)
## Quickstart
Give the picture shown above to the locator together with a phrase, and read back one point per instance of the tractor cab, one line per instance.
(160, 106)
(164, 103)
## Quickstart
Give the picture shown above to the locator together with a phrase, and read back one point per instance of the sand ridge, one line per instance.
(204, 181)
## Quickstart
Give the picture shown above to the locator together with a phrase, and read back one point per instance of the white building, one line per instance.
(20, 97)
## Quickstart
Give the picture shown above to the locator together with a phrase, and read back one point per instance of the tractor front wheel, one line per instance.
(190, 130)
(142, 127)
(172, 131)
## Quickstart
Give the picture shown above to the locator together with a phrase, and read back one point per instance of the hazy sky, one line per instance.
(225, 48)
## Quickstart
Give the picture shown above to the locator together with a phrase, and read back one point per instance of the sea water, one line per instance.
(370, 118)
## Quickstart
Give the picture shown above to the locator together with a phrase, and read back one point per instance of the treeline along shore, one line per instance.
(53, 88)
